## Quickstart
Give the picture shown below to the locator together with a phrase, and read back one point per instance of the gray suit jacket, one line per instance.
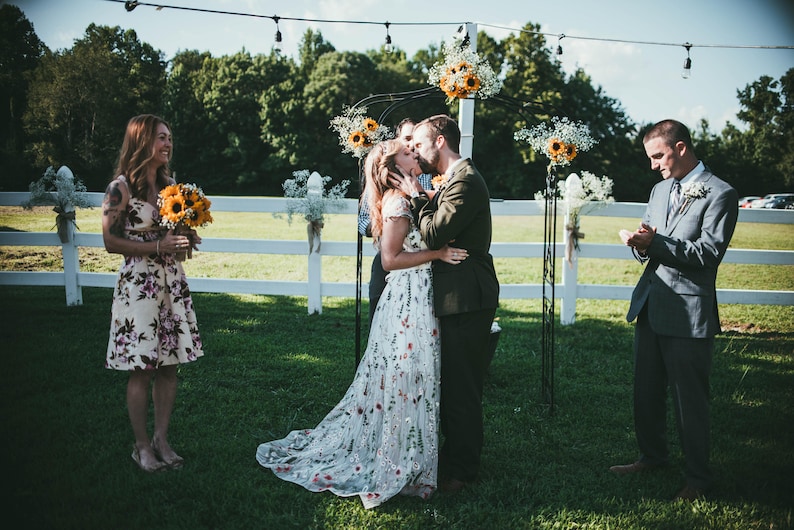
(679, 281)
(460, 214)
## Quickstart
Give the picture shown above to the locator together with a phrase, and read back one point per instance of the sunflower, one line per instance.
(570, 152)
(358, 139)
(471, 82)
(461, 92)
(461, 67)
(438, 182)
(370, 124)
(201, 214)
(173, 209)
(556, 148)
(448, 86)
(171, 191)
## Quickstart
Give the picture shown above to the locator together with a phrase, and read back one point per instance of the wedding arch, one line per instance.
(529, 112)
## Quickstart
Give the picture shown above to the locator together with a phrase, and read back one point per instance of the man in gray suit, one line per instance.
(686, 229)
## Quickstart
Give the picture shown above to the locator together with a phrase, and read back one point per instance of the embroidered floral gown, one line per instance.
(381, 439)
(152, 318)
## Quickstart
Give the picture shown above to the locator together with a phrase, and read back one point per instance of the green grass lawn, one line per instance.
(270, 368)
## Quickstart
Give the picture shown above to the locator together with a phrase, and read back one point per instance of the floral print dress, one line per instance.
(152, 321)
(381, 439)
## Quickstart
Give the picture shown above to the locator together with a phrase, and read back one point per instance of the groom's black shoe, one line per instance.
(636, 467)
(452, 485)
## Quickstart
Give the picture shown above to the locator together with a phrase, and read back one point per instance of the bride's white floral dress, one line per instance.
(381, 439)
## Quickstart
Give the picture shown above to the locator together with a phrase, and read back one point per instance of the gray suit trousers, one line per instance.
(683, 365)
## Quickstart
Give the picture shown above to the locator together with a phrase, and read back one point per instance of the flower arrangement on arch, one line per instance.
(463, 73)
(61, 190)
(358, 133)
(561, 141)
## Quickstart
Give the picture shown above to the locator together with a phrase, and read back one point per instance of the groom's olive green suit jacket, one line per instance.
(460, 214)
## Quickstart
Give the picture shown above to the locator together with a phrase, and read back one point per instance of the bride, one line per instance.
(381, 439)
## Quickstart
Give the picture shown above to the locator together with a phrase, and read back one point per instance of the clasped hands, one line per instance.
(640, 239)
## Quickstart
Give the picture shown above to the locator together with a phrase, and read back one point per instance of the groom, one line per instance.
(465, 295)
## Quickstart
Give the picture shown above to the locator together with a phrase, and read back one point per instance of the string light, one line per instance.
(388, 48)
(277, 43)
(687, 71)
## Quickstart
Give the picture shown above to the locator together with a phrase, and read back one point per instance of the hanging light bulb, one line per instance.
(277, 43)
(130, 5)
(559, 45)
(687, 70)
(387, 47)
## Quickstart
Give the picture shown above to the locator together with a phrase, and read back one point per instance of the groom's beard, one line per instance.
(429, 166)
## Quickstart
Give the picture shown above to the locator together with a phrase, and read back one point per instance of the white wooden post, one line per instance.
(314, 191)
(466, 106)
(71, 257)
(569, 279)
(569, 271)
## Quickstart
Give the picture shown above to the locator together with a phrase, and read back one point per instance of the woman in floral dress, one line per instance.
(381, 439)
(153, 325)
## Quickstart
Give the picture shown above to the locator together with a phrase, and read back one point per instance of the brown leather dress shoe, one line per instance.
(635, 467)
(689, 494)
(452, 485)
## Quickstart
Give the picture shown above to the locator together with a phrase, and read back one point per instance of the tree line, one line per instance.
(243, 123)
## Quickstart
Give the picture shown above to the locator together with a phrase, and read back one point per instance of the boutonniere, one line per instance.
(439, 181)
(693, 191)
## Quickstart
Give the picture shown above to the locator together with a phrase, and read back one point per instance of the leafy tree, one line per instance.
(20, 53)
(615, 154)
(184, 109)
(81, 99)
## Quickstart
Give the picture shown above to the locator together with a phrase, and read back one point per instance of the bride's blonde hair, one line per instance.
(379, 163)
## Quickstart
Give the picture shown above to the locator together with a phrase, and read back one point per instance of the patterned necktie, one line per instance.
(675, 200)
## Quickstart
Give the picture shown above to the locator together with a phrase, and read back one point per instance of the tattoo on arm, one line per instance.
(117, 226)
(111, 208)
(112, 195)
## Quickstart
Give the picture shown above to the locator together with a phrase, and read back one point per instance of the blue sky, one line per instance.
(645, 78)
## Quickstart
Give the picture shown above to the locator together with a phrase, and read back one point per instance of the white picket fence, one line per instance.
(73, 279)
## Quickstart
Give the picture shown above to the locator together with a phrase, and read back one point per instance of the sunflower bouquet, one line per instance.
(184, 206)
(358, 133)
(463, 73)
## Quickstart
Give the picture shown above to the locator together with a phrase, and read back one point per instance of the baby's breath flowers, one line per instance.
(560, 142)
(463, 73)
(358, 133)
(61, 190)
(312, 204)
(312, 207)
(582, 195)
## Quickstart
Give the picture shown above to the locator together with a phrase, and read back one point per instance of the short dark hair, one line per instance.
(671, 131)
(402, 123)
(443, 125)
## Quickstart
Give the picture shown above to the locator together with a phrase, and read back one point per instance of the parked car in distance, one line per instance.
(744, 202)
(761, 203)
(781, 203)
